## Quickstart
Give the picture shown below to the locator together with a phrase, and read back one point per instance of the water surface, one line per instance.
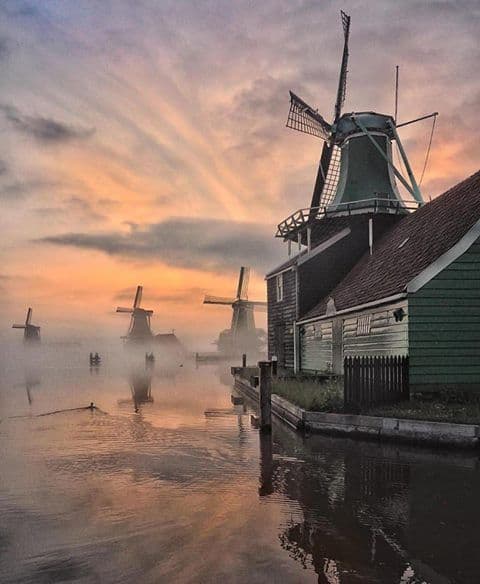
(173, 484)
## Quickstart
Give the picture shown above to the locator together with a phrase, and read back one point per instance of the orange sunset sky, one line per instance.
(145, 143)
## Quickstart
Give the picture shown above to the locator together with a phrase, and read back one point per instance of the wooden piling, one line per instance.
(274, 366)
(244, 360)
(265, 391)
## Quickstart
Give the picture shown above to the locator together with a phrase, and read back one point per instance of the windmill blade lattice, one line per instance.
(342, 83)
(304, 118)
(331, 180)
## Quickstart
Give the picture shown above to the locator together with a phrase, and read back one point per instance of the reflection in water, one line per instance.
(186, 491)
(266, 464)
(31, 380)
(376, 513)
(141, 386)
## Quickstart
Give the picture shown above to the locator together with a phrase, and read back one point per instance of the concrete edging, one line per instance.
(401, 429)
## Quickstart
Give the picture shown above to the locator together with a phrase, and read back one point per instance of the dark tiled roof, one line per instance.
(425, 234)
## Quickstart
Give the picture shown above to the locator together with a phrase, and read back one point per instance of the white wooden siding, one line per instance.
(386, 336)
(316, 346)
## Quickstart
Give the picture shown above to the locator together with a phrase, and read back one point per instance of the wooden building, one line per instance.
(411, 289)
(377, 271)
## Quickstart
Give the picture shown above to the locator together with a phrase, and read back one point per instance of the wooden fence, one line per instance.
(375, 380)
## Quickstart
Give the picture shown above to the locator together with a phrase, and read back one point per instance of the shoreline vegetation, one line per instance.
(326, 395)
(311, 395)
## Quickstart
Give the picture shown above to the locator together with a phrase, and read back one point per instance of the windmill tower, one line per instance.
(139, 330)
(356, 173)
(31, 333)
(242, 336)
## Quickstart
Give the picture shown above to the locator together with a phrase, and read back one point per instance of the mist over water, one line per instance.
(173, 484)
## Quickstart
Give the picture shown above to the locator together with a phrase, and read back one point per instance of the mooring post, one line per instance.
(265, 387)
(244, 360)
(274, 366)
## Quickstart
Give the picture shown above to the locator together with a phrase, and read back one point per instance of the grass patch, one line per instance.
(326, 395)
(312, 395)
(432, 410)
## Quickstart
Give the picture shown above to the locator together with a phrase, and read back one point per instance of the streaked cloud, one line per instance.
(170, 117)
(44, 130)
(186, 243)
(20, 189)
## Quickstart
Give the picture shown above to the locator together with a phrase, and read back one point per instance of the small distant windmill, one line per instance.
(139, 329)
(31, 333)
(242, 336)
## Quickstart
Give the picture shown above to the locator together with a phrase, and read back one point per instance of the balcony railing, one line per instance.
(299, 220)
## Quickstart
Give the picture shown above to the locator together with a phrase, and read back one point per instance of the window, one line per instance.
(363, 325)
(279, 282)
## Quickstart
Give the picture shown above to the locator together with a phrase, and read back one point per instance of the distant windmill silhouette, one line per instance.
(139, 329)
(242, 336)
(31, 333)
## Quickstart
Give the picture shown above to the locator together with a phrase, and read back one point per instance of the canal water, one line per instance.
(170, 482)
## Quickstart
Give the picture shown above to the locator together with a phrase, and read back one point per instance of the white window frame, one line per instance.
(279, 287)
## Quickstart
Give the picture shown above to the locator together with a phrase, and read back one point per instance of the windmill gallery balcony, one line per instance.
(298, 222)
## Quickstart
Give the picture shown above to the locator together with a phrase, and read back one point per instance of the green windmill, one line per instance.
(356, 173)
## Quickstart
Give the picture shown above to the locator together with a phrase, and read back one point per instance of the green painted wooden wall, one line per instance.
(444, 327)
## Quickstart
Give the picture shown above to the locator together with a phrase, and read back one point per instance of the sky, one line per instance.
(144, 142)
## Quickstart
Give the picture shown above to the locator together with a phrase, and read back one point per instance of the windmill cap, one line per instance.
(372, 121)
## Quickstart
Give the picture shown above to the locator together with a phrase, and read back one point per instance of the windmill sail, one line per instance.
(342, 82)
(138, 297)
(218, 300)
(304, 118)
(329, 166)
(242, 290)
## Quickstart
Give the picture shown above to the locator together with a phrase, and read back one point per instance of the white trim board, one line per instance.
(445, 260)
(386, 300)
(287, 269)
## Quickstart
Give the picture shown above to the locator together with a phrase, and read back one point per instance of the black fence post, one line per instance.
(374, 380)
